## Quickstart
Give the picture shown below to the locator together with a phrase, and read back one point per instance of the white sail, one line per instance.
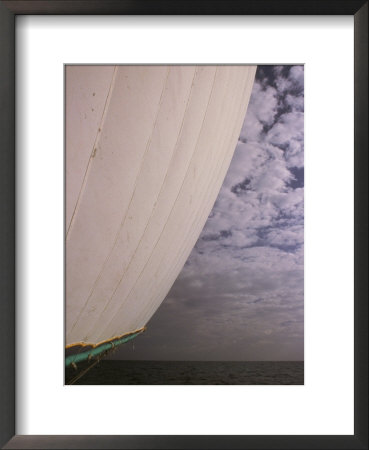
(147, 149)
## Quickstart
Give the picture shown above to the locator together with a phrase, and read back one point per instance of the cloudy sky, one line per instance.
(240, 295)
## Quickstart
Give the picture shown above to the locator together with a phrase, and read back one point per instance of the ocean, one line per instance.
(109, 372)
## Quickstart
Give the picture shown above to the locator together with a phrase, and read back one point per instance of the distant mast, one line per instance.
(147, 150)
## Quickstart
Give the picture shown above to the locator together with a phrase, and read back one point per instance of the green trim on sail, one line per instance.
(93, 352)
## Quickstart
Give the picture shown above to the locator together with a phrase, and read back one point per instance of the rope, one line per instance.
(77, 377)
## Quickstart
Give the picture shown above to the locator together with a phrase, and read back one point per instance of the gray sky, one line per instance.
(240, 293)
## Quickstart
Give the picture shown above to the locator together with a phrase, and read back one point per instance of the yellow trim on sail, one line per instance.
(87, 344)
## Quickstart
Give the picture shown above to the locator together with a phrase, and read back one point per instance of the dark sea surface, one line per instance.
(194, 372)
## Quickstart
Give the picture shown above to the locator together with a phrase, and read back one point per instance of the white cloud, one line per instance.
(297, 76)
(295, 102)
(264, 103)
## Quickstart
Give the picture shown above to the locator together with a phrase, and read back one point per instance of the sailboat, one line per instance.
(147, 150)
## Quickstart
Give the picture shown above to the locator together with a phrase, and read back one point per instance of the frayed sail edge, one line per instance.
(99, 348)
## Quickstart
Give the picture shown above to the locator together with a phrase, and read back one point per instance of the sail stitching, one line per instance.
(179, 191)
(126, 212)
(98, 134)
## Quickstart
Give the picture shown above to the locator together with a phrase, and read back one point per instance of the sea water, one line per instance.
(195, 373)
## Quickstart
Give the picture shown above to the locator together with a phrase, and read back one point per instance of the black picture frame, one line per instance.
(8, 11)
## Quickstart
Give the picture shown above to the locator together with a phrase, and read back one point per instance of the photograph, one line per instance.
(184, 224)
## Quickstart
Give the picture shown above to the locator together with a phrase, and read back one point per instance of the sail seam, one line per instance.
(179, 191)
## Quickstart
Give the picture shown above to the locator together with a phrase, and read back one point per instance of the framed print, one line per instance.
(133, 43)
(212, 314)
